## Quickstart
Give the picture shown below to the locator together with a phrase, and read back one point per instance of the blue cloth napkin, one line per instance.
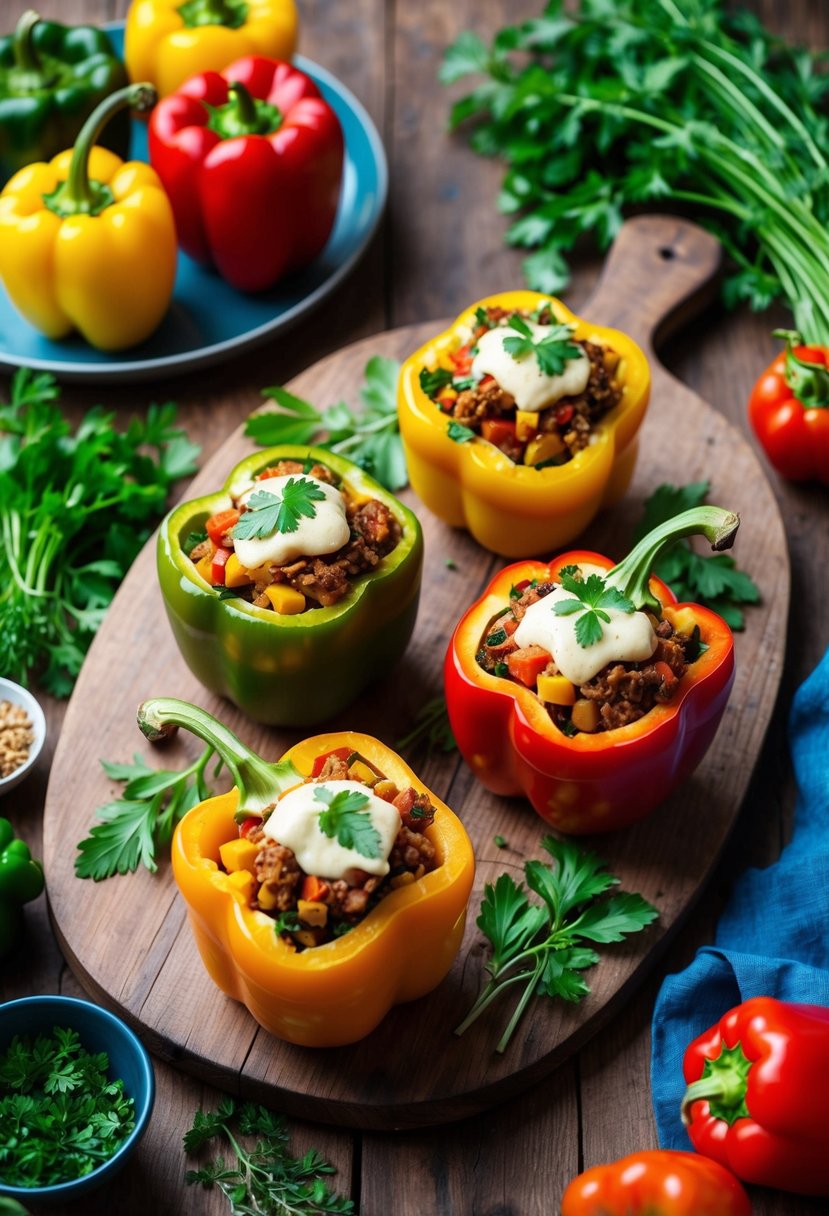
(772, 939)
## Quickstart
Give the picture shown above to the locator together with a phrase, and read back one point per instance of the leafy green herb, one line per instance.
(601, 106)
(713, 581)
(500, 842)
(267, 513)
(348, 820)
(265, 1180)
(143, 819)
(553, 352)
(501, 669)
(191, 540)
(286, 922)
(450, 563)
(482, 318)
(75, 509)
(433, 382)
(593, 598)
(536, 946)
(497, 637)
(432, 730)
(370, 436)
(61, 1116)
(459, 433)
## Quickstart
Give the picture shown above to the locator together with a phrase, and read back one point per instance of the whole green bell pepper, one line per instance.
(290, 670)
(51, 79)
(21, 879)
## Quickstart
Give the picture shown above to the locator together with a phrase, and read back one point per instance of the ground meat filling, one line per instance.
(324, 580)
(622, 692)
(571, 419)
(338, 905)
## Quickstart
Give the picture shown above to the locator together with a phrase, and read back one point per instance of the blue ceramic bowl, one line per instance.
(99, 1030)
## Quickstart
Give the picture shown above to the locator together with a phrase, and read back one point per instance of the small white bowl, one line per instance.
(9, 691)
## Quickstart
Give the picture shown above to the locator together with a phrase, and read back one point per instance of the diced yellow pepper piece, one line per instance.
(447, 393)
(545, 447)
(526, 424)
(239, 854)
(312, 912)
(235, 573)
(267, 896)
(205, 568)
(241, 884)
(304, 938)
(585, 715)
(358, 771)
(682, 619)
(386, 789)
(287, 601)
(556, 690)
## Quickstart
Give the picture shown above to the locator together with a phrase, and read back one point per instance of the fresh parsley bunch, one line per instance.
(370, 436)
(539, 948)
(604, 105)
(265, 1180)
(75, 508)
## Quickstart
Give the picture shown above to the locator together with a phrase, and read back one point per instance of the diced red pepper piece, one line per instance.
(314, 889)
(247, 826)
(447, 404)
(217, 568)
(664, 672)
(219, 524)
(527, 664)
(485, 380)
(563, 414)
(498, 431)
(319, 764)
(462, 360)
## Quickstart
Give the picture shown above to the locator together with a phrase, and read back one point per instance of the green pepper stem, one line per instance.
(244, 114)
(632, 574)
(259, 783)
(230, 13)
(26, 58)
(79, 195)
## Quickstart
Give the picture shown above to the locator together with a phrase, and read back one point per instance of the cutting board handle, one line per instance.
(660, 272)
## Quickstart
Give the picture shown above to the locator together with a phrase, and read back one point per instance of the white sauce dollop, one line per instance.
(629, 637)
(522, 378)
(325, 533)
(294, 822)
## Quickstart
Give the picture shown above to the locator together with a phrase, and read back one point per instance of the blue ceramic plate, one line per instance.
(208, 320)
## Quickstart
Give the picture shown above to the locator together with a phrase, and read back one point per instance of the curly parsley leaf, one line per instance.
(266, 513)
(553, 352)
(348, 820)
(536, 946)
(459, 433)
(594, 599)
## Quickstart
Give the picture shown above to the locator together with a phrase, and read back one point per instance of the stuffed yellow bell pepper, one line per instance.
(87, 241)
(318, 960)
(520, 421)
(167, 42)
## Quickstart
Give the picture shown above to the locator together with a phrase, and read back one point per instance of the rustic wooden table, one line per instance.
(441, 246)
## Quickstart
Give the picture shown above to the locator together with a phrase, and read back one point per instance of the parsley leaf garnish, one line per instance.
(553, 351)
(459, 433)
(266, 513)
(593, 598)
(347, 819)
(535, 945)
(433, 382)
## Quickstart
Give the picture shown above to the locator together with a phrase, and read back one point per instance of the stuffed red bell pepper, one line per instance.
(585, 686)
(252, 160)
(756, 1096)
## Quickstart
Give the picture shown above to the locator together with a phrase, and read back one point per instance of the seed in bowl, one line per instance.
(16, 737)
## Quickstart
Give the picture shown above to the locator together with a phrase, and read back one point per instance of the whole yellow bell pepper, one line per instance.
(87, 241)
(516, 509)
(336, 993)
(167, 42)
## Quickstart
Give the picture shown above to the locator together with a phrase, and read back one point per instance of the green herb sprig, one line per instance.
(431, 730)
(459, 433)
(369, 436)
(265, 1180)
(346, 818)
(61, 1116)
(139, 823)
(553, 352)
(537, 947)
(266, 513)
(593, 600)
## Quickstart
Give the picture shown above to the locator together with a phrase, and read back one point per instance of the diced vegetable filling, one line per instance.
(304, 582)
(310, 910)
(620, 693)
(539, 437)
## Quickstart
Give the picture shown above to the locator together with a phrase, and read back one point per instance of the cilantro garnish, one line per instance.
(347, 819)
(593, 597)
(536, 945)
(459, 433)
(553, 351)
(267, 513)
(192, 539)
(433, 382)
(287, 922)
(482, 318)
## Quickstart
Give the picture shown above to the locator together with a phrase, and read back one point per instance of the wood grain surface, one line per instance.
(442, 245)
(127, 939)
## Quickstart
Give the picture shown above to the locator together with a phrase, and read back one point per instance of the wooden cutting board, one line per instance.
(127, 939)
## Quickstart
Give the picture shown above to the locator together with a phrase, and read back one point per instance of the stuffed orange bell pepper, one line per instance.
(585, 686)
(321, 890)
(87, 241)
(520, 421)
(167, 42)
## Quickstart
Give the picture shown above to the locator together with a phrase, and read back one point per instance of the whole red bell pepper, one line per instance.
(609, 779)
(789, 410)
(252, 160)
(756, 1096)
(658, 1182)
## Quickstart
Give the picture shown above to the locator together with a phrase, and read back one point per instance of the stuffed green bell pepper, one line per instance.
(294, 587)
(21, 879)
(51, 79)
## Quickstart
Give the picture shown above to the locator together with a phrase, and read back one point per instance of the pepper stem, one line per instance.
(231, 13)
(632, 574)
(723, 1084)
(79, 194)
(26, 58)
(244, 114)
(259, 783)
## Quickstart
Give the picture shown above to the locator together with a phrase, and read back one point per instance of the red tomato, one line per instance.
(659, 1182)
(789, 412)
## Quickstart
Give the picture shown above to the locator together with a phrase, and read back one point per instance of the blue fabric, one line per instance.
(772, 939)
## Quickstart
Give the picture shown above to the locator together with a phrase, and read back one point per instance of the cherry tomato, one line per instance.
(789, 411)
